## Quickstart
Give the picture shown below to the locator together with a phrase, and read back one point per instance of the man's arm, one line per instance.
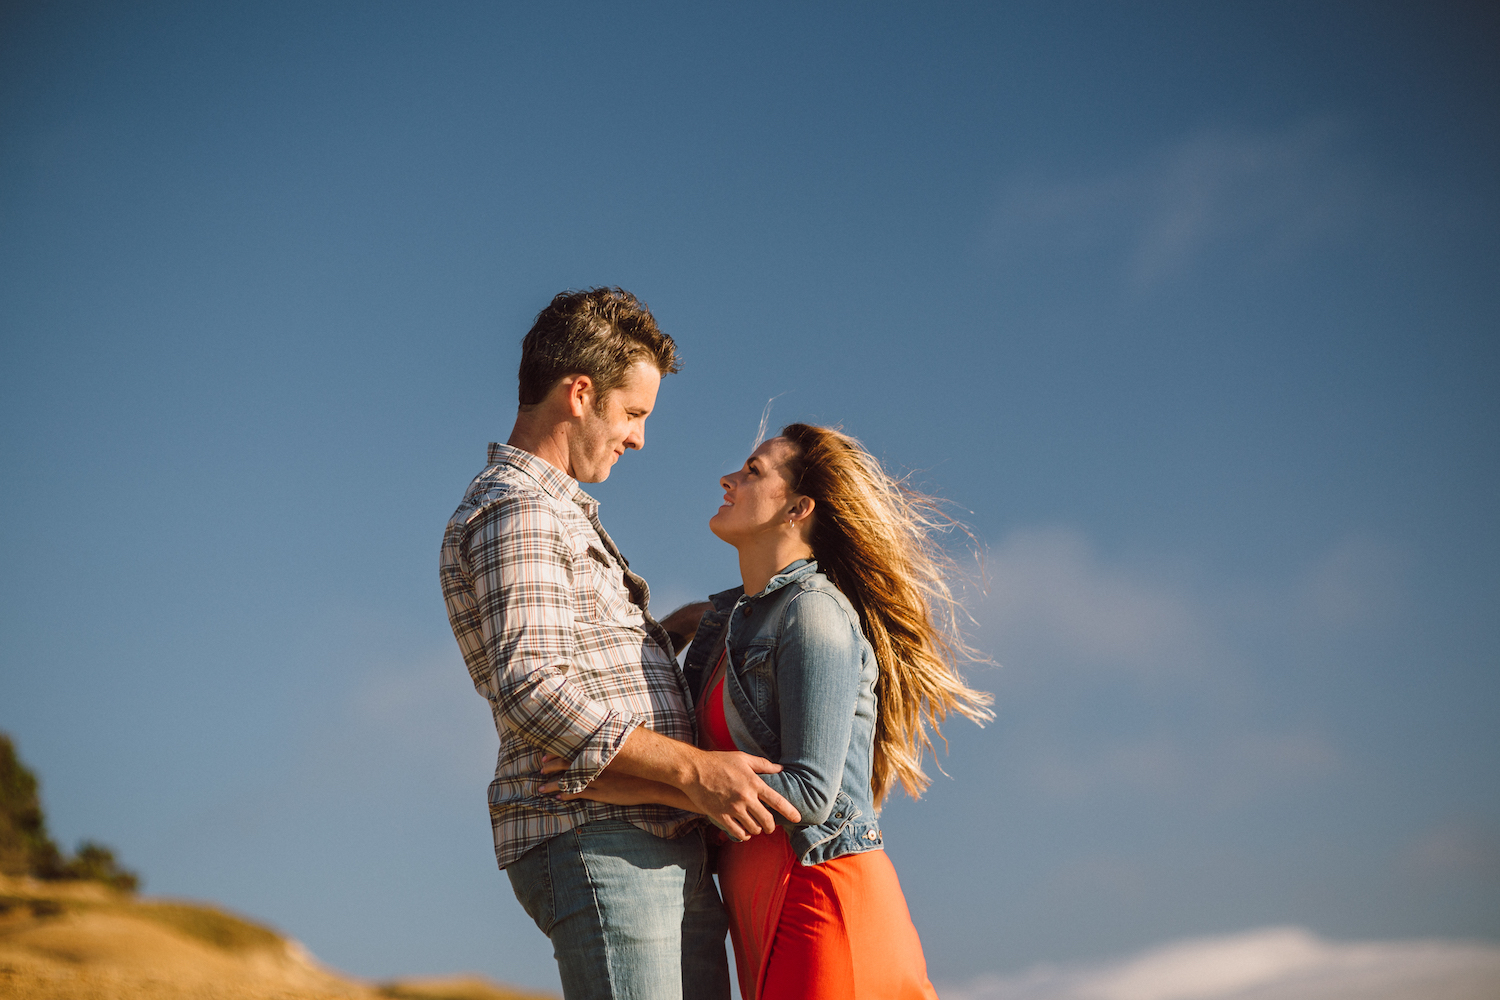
(521, 570)
(623, 790)
(725, 787)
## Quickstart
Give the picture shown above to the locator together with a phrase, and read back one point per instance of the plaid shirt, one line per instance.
(554, 628)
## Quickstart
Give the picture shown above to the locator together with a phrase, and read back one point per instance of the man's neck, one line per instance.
(544, 439)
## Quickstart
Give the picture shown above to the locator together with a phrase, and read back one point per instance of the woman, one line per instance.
(832, 660)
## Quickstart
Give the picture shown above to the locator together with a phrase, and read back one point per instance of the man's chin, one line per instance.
(595, 473)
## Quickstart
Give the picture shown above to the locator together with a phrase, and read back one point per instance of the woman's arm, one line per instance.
(818, 660)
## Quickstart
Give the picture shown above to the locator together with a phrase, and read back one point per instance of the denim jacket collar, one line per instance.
(793, 571)
(725, 600)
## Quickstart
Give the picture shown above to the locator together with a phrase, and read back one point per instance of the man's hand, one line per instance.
(683, 623)
(726, 787)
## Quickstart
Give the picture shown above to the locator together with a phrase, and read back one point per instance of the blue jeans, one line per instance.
(631, 916)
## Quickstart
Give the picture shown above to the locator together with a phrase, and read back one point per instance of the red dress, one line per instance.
(839, 930)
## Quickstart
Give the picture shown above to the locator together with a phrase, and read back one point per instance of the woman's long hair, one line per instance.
(874, 538)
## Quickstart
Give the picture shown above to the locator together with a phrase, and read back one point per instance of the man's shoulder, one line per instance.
(502, 493)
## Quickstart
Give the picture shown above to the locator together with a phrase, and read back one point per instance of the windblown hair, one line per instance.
(598, 332)
(875, 540)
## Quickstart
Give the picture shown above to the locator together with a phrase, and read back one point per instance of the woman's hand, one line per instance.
(683, 623)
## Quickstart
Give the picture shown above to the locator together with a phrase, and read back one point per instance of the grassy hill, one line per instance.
(78, 940)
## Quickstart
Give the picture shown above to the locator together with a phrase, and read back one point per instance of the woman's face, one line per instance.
(758, 498)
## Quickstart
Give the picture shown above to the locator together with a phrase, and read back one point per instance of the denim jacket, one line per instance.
(800, 690)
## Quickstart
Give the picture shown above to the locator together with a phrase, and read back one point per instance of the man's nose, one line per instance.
(636, 439)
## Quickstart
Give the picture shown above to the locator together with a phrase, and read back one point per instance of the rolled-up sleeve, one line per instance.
(522, 574)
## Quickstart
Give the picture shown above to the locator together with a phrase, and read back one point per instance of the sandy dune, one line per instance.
(80, 941)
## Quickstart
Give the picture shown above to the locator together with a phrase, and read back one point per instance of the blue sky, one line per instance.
(1192, 307)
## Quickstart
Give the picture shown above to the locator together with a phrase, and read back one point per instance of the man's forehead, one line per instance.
(641, 381)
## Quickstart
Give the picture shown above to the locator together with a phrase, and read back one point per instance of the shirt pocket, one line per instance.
(605, 597)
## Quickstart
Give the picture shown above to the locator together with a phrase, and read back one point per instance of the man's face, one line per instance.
(603, 437)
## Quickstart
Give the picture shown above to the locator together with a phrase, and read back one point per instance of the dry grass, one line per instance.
(454, 988)
(68, 941)
(212, 926)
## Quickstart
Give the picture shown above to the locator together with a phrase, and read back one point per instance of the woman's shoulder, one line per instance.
(814, 602)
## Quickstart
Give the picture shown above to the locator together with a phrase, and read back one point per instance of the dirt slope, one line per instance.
(82, 941)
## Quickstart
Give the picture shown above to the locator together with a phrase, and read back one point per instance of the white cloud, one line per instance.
(417, 724)
(1457, 849)
(1053, 598)
(1285, 963)
(426, 710)
(1357, 582)
(1067, 621)
(1228, 768)
(1264, 195)
(1049, 590)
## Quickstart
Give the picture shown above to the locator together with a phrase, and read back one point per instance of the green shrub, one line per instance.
(25, 846)
(97, 863)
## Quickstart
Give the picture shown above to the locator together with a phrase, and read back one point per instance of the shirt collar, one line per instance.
(553, 480)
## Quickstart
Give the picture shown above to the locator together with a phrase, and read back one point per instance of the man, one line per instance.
(555, 630)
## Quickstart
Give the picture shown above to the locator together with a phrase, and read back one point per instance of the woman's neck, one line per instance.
(760, 562)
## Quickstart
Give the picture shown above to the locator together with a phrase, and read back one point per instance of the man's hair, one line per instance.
(598, 332)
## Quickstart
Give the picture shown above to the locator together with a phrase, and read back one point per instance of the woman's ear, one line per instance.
(803, 508)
